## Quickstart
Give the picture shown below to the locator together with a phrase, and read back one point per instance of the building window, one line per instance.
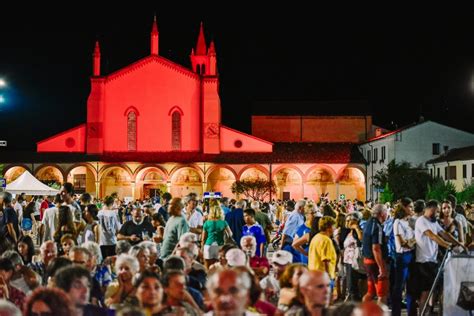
(376, 154)
(472, 170)
(132, 131)
(437, 172)
(431, 173)
(464, 171)
(176, 131)
(369, 156)
(383, 153)
(446, 173)
(436, 147)
(452, 172)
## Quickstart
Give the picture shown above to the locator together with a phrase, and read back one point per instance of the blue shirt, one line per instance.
(373, 235)
(235, 219)
(293, 222)
(257, 231)
(303, 229)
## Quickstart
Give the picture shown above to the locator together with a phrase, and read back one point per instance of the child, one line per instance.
(253, 229)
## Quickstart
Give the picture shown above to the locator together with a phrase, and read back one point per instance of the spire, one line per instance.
(96, 63)
(201, 48)
(154, 38)
(212, 49)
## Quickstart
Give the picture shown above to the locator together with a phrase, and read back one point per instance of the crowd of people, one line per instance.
(75, 255)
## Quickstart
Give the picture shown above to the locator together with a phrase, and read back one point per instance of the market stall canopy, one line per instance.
(28, 184)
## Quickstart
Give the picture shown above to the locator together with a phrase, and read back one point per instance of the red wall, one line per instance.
(72, 140)
(235, 141)
(312, 128)
(153, 87)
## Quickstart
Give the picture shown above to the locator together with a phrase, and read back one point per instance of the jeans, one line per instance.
(402, 261)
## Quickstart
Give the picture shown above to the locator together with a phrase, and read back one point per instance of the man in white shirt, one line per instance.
(193, 215)
(50, 220)
(429, 234)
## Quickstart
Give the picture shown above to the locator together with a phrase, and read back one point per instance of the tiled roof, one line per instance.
(456, 154)
(282, 153)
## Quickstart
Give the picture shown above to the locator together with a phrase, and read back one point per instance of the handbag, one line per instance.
(466, 296)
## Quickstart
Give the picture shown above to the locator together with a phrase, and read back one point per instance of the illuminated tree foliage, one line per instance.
(255, 189)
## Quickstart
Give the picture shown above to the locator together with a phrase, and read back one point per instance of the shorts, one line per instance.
(426, 272)
(375, 286)
(211, 251)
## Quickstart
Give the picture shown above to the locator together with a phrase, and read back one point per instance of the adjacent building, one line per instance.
(416, 144)
(456, 166)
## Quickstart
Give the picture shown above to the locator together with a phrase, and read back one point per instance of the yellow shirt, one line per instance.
(321, 248)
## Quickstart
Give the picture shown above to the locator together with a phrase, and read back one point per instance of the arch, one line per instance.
(220, 179)
(289, 182)
(253, 171)
(83, 178)
(176, 131)
(131, 109)
(139, 172)
(12, 172)
(319, 180)
(351, 182)
(291, 167)
(185, 180)
(150, 181)
(203, 69)
(105, 169)
(50, 173)
(132, 131)
(116, 179)
(175, 109)
(198, 69)
(328, 169)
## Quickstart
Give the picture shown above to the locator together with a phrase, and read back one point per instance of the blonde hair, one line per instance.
(215, 210)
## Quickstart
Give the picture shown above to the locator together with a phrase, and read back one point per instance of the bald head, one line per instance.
(316, 289)
(371, 309)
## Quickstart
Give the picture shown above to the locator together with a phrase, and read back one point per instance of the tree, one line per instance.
(403, 180)
(386, 195)
(467, 194)
(439, 190)
(256, 189)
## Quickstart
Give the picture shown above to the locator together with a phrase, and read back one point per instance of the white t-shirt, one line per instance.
(426, 249)
(402, 227)
(195, 221)
(50, 220)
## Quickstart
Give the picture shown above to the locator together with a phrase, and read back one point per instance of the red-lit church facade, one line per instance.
(156, 125)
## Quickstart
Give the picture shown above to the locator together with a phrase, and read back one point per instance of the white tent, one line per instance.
(28, 184)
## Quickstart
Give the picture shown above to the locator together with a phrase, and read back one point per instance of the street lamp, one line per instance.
(3, 84)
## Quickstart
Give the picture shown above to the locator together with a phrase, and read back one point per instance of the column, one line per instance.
(133, 190)
(97, 189)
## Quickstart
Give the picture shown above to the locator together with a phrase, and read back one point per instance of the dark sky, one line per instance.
(395, 66)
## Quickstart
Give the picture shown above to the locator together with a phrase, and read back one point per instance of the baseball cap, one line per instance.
(282, 257)
(236, 257)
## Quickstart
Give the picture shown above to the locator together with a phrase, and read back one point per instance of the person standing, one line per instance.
(9, 222)
(175, 227)
(429, 235)
(375, 252)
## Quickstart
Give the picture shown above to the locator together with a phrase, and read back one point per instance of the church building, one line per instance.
(156, 125)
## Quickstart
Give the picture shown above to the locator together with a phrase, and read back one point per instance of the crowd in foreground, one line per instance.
(72, 255)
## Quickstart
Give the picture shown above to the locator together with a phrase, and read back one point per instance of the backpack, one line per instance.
(26, 224)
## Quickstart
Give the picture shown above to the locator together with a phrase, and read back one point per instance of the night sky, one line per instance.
(394, 66)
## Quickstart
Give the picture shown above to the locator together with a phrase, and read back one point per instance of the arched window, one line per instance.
(176, 131)
(198, 69)
(132, 131)
(203, 69)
